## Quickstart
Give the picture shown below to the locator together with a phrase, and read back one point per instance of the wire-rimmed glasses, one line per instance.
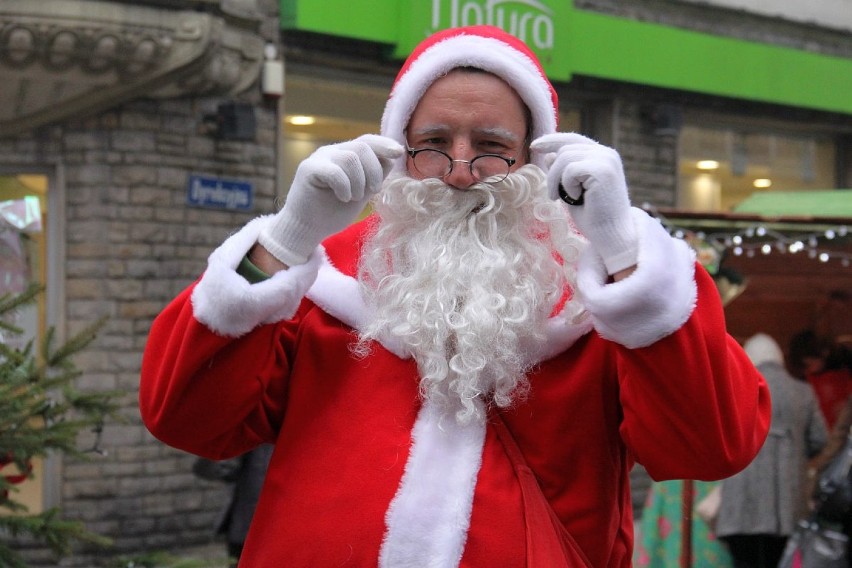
(433, 163)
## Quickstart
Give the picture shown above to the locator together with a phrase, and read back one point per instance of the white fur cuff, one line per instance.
(654, 301)
(229, 305)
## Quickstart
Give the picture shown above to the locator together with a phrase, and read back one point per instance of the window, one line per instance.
(23, 246)
(721, 167)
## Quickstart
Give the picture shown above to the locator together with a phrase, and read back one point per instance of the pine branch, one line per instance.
(11, 302)
(165, 560)
(60, 357)
(58, 534)
(42, 412)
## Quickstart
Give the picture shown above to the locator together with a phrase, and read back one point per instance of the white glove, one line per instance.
(592, 175)
(330, 189)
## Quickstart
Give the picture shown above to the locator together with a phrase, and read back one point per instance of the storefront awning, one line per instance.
(832, 203)
(813, 224)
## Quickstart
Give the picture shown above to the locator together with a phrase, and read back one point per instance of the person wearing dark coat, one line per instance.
(246, 474)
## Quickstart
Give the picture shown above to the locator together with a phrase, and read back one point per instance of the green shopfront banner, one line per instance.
(570, 41)
(541, 25)
(402, 24)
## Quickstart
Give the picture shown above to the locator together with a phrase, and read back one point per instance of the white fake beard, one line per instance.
(465, 278)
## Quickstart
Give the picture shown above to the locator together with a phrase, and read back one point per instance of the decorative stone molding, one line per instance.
(61, 58)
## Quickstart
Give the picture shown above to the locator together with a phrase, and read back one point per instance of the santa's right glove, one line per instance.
(331, 188)
(591, 177)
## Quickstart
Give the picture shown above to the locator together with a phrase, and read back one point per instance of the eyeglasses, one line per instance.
(432, 163)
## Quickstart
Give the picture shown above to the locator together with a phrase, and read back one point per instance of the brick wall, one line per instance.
(649, 156)
(131, 244)
(728, 22)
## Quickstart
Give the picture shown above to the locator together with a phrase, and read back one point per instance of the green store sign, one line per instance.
(570, 41)
(533, 21)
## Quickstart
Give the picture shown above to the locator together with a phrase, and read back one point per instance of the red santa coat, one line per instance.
(363, 473)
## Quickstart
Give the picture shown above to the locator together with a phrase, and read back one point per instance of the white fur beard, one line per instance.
(462, 277)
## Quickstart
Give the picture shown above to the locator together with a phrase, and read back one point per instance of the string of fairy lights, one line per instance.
(764, 238)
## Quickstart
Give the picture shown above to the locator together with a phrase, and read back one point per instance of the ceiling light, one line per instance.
(762, 183)
(707, 165)
(301, 120)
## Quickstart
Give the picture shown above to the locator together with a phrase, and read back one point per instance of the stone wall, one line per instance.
(649, 156)
(131, 245)
(722, 21)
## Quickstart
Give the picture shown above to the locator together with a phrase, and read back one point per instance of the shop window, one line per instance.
(719, 168)
(23, 245)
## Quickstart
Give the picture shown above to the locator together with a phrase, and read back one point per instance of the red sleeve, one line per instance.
(211, 395)
(694, 405)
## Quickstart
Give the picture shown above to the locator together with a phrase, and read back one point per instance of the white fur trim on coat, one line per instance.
(654, 301)
(339, 295)
(428, 518)
(229, 305)
(559, 334)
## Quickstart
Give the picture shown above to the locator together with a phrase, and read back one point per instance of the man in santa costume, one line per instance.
(466, 377)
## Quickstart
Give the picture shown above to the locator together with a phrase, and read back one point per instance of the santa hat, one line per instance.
(485, 47)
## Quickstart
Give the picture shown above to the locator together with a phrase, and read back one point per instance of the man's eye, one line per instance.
(494, 146)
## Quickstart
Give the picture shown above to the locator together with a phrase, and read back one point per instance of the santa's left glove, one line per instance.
(591, 176)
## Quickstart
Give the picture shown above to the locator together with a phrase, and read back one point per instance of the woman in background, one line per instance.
(659, 540)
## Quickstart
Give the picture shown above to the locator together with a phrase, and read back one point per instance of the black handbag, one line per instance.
(815, 545)
(833, 492)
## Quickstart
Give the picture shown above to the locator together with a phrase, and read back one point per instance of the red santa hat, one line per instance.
(485, 47)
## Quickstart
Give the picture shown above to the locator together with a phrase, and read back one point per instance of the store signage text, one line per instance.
(528, 20)
(216, 193)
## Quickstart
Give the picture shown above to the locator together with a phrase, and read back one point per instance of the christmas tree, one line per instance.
(41, 413)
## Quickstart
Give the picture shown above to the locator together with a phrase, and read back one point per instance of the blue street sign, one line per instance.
(217, 193)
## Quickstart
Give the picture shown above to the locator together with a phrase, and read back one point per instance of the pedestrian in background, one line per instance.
(833, 384)
(660, 539)
(762, 504)
(245, 474)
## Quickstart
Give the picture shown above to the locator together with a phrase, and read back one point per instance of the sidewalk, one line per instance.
(211, 555)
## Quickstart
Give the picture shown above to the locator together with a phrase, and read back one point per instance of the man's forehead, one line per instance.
(447, 128)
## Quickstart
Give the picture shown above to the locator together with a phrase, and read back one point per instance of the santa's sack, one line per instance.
(549, 545)
(814, 545)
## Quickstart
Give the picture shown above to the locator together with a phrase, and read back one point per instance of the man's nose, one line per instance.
(461, 176)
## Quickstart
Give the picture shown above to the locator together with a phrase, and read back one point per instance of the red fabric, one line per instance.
(15, 478)
(689, 406)
(549, 545)
(833, 388)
